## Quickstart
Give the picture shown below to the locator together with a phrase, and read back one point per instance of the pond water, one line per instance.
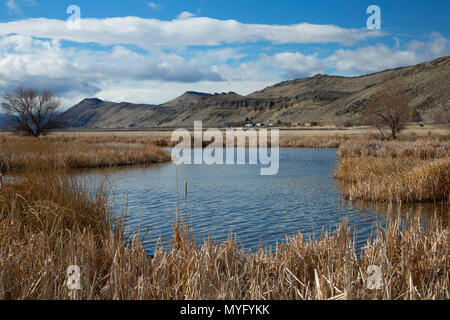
(224, 199)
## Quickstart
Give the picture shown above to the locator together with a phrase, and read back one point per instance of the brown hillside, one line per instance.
(322, 98)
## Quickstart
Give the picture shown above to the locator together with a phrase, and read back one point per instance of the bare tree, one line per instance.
(388, 109)
(31, 112)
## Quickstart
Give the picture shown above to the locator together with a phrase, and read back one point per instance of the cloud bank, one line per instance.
(186, 30)
(152, 61)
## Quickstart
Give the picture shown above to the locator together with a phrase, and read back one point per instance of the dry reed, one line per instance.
(395, 171)
(59, 153)
(49, 221)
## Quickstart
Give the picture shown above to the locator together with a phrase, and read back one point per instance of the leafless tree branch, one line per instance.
(388, 109)
(31, 113)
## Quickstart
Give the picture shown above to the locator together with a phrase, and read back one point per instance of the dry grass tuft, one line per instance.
(424, 149)
(395, 171)
(322, 141)
(61, 153)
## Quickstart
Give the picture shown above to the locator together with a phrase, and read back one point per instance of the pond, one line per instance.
(224, 199)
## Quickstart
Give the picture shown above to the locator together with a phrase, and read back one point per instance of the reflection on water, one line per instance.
(426, 211)
(237, 199)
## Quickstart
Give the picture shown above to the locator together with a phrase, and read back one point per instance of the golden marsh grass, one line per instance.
(414, 171)
(19, 153)
(49, 221)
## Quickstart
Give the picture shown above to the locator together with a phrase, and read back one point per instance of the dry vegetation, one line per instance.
(18, 153)
(49, 221)
(414, 171)
(327, 137)
(316, 141)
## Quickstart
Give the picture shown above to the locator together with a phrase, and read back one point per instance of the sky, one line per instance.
(153, 51)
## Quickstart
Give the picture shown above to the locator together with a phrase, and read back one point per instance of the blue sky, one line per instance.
(151, 51)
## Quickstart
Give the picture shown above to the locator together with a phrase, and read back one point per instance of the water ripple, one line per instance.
(223, 199)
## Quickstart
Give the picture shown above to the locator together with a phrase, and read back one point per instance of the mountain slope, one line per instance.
(322, 98)
(188, 99)
(95, 113)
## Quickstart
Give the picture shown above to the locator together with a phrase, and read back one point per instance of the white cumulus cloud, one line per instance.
(295, 64)
(380, 57)
(185, 15)
(190, 31)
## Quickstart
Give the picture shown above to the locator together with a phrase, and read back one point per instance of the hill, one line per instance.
(322, 98)
(188, 99)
